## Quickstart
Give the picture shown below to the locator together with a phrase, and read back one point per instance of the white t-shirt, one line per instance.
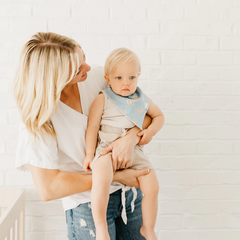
(68, 152)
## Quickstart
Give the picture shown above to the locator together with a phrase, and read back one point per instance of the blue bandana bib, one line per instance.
(134, 106)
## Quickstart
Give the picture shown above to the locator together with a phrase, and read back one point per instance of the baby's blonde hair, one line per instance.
(48, 61)
(119, 56)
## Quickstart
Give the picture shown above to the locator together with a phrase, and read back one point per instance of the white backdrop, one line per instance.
(190, 55)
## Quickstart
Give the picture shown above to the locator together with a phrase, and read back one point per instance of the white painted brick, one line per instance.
(172, 148)
(201, 13)
(13, 116)
(236, 29)
(215, 28)
(229, 162)
(6, 101)
(8, 132)
(230, 43)
(67, 26)
(237, 147)
(18, 178)
(4, 25)
(152, 148)
(40, 209)
(237, 58)
(165, 73)
(202, 73)
(1, 178)
(97, 57)
(7, 162)
(229, 132)
(214, 147)
(198, 222)
(165, 12)
(236, 118)
(169, 222)
(4, 57)
(15, 10)
(177, 88)
(179, 2)
(2, 147)
(148, 56)
(46, 223)
(170, 193)
(215, 59)
(210, 193)
(213, 118)
(178, 57)
(181, 235)
(178, 27)
(167, 163)
(58, 235)
(131, 42)
(221, 88)
(105, 26)
(101, 3)
(149, 89)
(218, 234)
(216, 3)
(3, 117)
(51, 10)
(31, 194)
(11, 147)
(196, 207)
(230, 15)
(89, 42)
(201, 162)
(4, 85)
(141, 27)
(201, 43)
(127, 11)
(209, 178)
(84, 12)
(232, 221)
(230, 74)
(30, 26)
(165, 43)
(176, 178)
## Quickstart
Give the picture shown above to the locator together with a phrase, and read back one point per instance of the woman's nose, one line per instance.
(88, 68)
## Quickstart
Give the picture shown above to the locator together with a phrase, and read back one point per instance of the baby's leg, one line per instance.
(150, 188)
(102, 177)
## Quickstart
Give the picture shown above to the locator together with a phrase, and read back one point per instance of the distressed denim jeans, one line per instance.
(81, 225)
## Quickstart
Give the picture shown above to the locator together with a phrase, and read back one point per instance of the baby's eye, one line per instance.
(118, 77)
(132, 77)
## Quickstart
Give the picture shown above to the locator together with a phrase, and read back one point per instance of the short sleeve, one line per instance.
(39, 153)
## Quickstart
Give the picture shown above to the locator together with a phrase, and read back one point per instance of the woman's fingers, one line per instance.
(142, 172)
(107, 150)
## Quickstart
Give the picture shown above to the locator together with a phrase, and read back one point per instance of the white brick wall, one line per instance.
(190, 55)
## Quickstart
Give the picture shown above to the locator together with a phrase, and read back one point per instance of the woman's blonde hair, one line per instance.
(119, 56)
(48, 61)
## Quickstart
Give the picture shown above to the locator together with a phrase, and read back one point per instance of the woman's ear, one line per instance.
(107, 79)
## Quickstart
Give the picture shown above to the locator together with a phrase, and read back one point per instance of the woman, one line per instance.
(54, 89)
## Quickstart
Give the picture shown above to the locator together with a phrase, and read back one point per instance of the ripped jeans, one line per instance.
(81, 225)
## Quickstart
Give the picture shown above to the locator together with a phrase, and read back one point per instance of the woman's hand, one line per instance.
(129, 177)
(122, 149)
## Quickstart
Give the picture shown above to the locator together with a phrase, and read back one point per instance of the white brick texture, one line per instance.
(190, 56)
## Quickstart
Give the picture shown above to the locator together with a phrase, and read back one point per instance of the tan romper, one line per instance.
(114, 125)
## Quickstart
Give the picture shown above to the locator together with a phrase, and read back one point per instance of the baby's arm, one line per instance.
(157, 122)
(94, 120)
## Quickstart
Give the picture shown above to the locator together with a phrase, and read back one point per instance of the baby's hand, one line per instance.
(86, 163)
(146, 136)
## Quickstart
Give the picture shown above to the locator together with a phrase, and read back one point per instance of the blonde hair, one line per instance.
(119, 56)
(48, 61)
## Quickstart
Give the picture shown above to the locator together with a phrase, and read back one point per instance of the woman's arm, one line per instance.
(54, 184)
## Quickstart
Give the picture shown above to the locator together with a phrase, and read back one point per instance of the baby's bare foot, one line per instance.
(149, 234)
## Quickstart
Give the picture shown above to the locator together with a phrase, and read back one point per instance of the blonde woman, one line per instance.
(54, 89)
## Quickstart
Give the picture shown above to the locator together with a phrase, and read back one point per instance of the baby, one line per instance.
(113, 112)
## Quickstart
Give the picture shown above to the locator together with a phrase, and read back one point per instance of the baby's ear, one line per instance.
(107, 78)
